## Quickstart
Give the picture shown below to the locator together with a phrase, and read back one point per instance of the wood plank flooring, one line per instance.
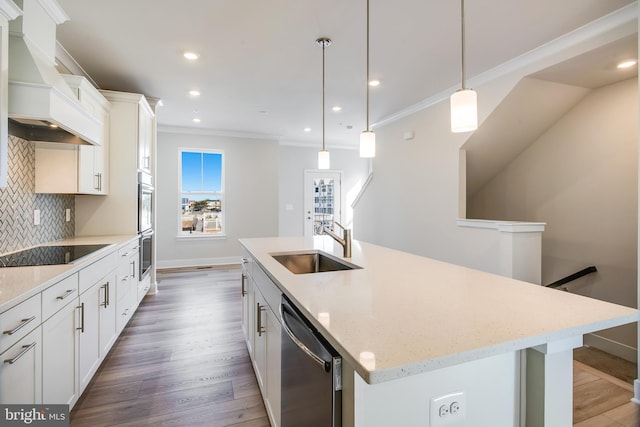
(182, 361)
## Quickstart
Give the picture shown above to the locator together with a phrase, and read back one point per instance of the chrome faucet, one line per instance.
(345, 240)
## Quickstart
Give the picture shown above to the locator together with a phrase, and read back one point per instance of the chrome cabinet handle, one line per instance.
(133, 269)
(81, 328)
(244, 260)
(23, 323)
(25, 349)
(259, 309)
(243, 292)
(105, 304)
(66, 294)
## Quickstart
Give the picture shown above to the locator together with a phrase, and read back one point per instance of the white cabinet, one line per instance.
(21, 353)
(265, 336)
(127, 284)
(21, 371)
(97, 328)
(77, 169)
(145, 137)
(8, 12)
(59, 355)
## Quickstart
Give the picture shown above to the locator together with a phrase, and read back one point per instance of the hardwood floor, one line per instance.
(182, 361)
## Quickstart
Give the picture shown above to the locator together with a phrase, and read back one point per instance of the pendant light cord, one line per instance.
(463, 43)
(323, 46)
(367, 65)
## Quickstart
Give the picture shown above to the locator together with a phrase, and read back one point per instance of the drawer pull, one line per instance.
(25, 349)
(66, 294)
(22, 324)
(244, 260)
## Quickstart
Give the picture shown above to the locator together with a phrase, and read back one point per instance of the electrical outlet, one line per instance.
(36, 217)
(67, 215)
(447, 409)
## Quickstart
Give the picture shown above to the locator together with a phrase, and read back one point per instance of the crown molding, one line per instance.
(9, 10)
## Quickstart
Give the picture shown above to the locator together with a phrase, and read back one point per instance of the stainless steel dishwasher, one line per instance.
(311, 374)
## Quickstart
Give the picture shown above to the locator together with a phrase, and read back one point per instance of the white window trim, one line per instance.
(217, 236)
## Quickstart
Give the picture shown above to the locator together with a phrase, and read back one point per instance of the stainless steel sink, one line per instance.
(304, 262)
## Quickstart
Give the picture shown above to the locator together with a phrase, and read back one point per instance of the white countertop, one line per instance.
(19, 283)
(417, 314)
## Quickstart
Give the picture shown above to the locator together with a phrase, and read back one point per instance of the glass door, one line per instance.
(322, 195)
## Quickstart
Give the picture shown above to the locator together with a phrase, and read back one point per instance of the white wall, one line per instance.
(581, 178)
(293, 161)
(251, 186)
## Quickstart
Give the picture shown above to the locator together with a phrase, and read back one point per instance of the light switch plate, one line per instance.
(67, 215)
(36, 217)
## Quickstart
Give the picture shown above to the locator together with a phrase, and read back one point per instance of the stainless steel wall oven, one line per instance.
(145, 222)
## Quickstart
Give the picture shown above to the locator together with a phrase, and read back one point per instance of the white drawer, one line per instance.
(268, 289)
(18, 321)
(129, 249)
(96, 271)
(59, 295)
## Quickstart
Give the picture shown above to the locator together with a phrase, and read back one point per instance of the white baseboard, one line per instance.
(612, 347)
(197, 262)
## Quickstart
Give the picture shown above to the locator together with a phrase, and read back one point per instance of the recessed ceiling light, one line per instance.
(627, 64)
(194, 93)
(196, 120)
(337, 108)
(307, 129)
(374, 83)
(191, 56)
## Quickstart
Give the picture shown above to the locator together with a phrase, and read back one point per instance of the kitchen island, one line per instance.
(412, 330)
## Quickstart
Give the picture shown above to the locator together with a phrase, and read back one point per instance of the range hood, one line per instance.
(42, 107)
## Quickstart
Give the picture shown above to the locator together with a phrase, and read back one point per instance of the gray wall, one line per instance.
(581, 178)
(251, 186)
(18, 201)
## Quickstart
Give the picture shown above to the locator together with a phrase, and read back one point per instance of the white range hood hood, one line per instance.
(42, 107)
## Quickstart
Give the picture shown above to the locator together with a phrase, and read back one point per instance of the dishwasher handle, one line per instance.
(325, 365)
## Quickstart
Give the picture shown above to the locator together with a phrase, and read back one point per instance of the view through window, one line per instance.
(202, 193)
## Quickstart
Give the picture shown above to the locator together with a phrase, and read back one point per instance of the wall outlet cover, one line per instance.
(36, 217)
(447, 409)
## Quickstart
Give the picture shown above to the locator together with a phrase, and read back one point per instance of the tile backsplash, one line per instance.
(18, 201)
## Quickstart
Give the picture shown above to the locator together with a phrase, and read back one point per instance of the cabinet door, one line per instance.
(274, 340)
(260, 340)
(59, 362)
(108, 324)
(21, 371)
(145, 134)
(89, 337)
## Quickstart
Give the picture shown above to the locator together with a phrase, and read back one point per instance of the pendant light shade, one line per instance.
(324, 159)
(464, 102)
(367, 144)
(367, 137)
(464, 110)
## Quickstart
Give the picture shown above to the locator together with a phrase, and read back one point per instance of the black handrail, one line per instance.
(572, 277)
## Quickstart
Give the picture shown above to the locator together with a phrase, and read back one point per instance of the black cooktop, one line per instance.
(47, 255)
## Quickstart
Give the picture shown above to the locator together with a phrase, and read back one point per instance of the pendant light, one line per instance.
(324, 160)
(464, 102)
(367, 137)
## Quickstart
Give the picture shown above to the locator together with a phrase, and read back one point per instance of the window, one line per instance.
(201, 193)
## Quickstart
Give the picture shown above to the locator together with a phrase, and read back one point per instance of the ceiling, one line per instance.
(260, 71)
